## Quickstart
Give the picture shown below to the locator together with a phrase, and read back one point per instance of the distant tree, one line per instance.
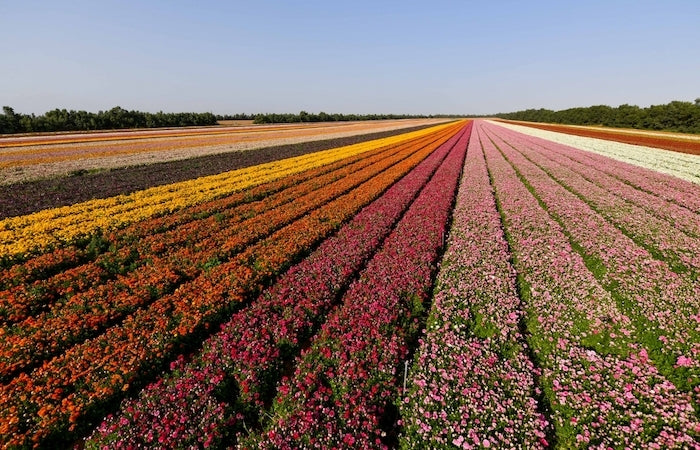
(673, 116)
(10, 123)
(115, 118)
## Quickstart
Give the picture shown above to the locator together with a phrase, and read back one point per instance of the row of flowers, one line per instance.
(659, 236)
(343, 388)
(472, 383)
(684, 143)
(663, 304)
(681, 165)
(252, 349)
(652, 198)
(599, 382)
(66, 392)
(83, 315)
(35, 232)
(208, 214)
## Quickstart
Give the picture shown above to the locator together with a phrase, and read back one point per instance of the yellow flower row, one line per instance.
(49, 227)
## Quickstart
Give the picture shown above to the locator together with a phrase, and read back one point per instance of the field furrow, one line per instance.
(658, 236)
(597, 171)
(658, 300)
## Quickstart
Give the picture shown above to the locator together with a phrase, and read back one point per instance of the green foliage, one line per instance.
(674, 116)
(115, 118)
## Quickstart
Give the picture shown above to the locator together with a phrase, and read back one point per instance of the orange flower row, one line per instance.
(73, 386)
(194, 248)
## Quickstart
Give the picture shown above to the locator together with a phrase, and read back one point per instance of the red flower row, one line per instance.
(343, 385)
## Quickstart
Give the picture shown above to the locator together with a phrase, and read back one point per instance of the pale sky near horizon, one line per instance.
(438, 57)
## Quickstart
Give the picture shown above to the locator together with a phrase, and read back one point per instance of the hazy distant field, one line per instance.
(29, 157)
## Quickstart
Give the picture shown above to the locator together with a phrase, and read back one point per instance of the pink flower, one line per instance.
(684, 361)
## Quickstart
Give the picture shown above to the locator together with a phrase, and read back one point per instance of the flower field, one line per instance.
(677, 142)
(469, 285)
(638, 152)
(19, 235)
(36, 156)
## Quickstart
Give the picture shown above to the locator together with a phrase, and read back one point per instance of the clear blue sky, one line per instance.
(359, 56)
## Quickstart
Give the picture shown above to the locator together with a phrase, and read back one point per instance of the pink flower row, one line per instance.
(600, 384)
(663, 304)
(343, 388)
(472, 384)
(609, 197)
(230, 381)
(608, 173)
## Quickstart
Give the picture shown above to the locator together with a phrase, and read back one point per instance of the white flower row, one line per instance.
(680, 165)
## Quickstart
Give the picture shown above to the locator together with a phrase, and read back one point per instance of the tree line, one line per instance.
(674, 116)
(115, 118)
(120, 118)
